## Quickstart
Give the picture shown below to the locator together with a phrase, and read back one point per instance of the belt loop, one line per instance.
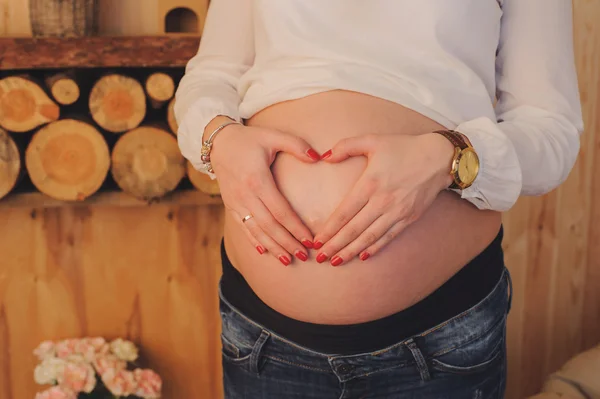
(510, 289)
(256, 352)
(421, 363)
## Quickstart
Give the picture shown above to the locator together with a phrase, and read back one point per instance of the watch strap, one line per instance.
(454, 137)
(459, 142)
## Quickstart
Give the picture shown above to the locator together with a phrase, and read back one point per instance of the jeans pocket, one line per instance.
(229, 350)
(484, 353)
(494, 361)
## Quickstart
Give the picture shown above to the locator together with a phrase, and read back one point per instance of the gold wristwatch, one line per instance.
(465, 163)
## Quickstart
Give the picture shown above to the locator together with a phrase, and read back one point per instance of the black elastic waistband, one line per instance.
(464, 290)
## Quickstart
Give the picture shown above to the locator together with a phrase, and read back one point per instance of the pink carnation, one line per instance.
(66, 348)
(119, 383)
(106, 363)
(56, 393)
(77, 377)
(148, 382)
(99, 344)
(44, 350)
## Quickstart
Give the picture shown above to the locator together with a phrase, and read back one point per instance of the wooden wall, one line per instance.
(150, 274)
(553, 243)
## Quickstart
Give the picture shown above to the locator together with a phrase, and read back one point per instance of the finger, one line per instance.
(261, 249)
(369, 214)
(366, 239)
(348, 208)
(269, 244)
(385, 239)
(350, 147)
(291, 144)
(282, 211)
(285, 242)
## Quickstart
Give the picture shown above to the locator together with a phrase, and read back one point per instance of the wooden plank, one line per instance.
(14, 18)
(128, 18)
(87, 52)
(587, 47)
(111, 198)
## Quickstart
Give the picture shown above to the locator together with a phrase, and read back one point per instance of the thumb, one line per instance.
(288, 143)
(350, 147)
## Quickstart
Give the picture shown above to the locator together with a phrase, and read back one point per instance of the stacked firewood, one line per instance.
(73, 133)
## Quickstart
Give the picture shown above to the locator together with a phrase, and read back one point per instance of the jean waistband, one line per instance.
(443, 338)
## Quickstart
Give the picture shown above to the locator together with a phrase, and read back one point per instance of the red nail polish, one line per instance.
(336, 261)
(321, 257)
(308, 244)
(326, 154)
(285, 260)
(364, 256)
(318, 245)
(301, 255)
(313, 154)
(260, 249)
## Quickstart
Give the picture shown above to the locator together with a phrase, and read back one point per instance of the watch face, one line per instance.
(468, 166)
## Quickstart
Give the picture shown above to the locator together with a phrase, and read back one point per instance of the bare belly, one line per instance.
(417, 262)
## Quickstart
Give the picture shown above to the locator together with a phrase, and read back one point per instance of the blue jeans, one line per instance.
(464, 357)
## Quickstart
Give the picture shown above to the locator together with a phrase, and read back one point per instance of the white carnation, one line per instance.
(124, 350)
(48, 371)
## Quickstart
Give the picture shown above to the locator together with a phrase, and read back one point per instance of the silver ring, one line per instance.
(246, 218)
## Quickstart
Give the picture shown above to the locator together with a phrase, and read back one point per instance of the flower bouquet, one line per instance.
(93, 368)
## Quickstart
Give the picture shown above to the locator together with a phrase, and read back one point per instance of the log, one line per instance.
(63, 88)
(171, 117)
(202, 182)
(68, 160)
(24, 105)
(118, 103)
(147, 163)
(10, 163)
(160, 88)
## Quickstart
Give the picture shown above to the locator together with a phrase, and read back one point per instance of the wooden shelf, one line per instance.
(116, 198)
(97, 51)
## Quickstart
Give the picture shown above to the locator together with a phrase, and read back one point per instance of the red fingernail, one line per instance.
(285, 260)
(260, 249)
(336, 261)
(321, 257)
(318, 245)
(326, 154)
(364, 256)
(301, 255)
(308, 244)
(313, 154)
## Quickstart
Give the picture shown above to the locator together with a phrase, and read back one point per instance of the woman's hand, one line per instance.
(404, 175)
(241, 158)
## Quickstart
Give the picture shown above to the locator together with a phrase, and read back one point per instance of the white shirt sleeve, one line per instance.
(534, 143)
(209, 87)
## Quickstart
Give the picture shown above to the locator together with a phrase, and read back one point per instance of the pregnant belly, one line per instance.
(417, 262)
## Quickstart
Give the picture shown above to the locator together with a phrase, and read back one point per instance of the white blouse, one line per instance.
(446, 59)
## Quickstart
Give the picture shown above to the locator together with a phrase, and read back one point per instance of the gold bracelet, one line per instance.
(208, 143)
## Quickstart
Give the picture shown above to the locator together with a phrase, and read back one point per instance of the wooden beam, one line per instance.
(92, 52)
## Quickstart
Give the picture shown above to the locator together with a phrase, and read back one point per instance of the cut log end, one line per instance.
(147, 163)
(24, 106)
(64, 90)
(160, 88)
(171, 117)
(118, 103)
(68, 160)
(202, 181)
(10, 163)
